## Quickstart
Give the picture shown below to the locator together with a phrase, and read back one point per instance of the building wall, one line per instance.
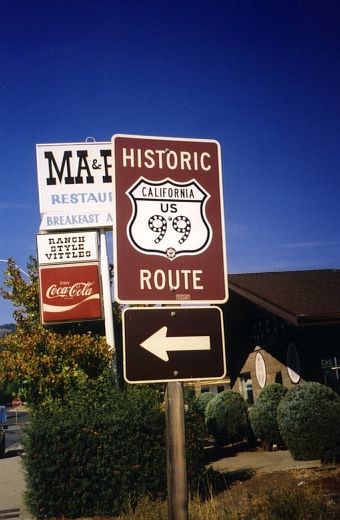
(215, 387)
(253, 333)
(254, 376)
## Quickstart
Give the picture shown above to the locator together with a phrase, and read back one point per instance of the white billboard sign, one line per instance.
(75, 185)
(61, 248)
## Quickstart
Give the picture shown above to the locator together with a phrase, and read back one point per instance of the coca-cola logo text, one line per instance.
(69, 291)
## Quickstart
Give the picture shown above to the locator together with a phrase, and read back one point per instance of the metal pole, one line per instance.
(176, 460)
(107, 301)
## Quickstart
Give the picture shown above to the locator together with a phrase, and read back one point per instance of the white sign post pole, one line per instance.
(107, 301)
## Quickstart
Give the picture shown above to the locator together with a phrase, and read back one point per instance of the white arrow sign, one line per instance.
(159, 344)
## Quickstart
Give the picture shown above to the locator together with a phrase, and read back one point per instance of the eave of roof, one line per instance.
(299, 297)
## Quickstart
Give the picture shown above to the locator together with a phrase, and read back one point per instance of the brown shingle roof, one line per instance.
(301, 297)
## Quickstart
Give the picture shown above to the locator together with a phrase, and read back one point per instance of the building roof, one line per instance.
(301, 297)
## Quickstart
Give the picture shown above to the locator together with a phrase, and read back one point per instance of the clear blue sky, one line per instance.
(262, 77)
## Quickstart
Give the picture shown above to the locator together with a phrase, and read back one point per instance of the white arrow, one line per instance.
(159, 344)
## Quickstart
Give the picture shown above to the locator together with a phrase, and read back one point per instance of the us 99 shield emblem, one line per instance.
(168, 218)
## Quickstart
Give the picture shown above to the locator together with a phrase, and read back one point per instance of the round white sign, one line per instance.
(293, 363)
(260, 370)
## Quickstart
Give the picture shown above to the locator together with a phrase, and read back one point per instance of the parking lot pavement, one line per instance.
(12, 480)
(12, 487)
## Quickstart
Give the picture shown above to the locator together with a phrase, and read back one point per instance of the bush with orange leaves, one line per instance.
(45, 361)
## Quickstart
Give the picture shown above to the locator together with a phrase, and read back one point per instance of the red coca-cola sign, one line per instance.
(70, 293)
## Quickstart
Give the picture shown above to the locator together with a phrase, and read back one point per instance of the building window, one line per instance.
(247, 387)
(330, 368)
(278, 377)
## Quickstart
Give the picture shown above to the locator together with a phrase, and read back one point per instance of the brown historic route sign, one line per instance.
(169, 220)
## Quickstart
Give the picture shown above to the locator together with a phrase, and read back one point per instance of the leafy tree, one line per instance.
(43, 360)
(23, 294)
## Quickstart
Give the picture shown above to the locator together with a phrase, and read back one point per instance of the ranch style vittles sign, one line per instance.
(55, 248)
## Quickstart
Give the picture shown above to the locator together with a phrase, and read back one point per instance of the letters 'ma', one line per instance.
(63, 170)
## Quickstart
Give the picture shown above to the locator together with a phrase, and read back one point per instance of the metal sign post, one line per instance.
(107, 301)
(175, 448)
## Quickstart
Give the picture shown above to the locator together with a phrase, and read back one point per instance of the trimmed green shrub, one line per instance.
(226, 417)
(194, 449)
(89, 456)
(263, 415)
(200, 402)
(99, 450)
(309, 421)
(188, 393)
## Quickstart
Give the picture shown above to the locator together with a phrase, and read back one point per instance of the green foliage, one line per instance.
(309, 421)
(45, 364)
(23, 294)
(263, 415)
(226, 417)
(93, 453)
(7, 392)
(41, 360)
(194, 448)
(188, 393)
(200, 402)
(100, 449)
